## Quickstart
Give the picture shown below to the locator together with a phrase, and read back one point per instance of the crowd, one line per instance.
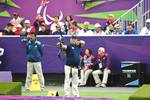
(20, 26)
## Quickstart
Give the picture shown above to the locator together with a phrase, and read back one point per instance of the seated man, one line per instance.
(102, 67)
(74, 29)
(58, 31)
(130, 30)
(117, 30)
(98, 30)
(43, 30)
(109, 30)
(146, 30)
(16, 21)
(28, 28)
(86, 31)
(87, 65)
(9, 29)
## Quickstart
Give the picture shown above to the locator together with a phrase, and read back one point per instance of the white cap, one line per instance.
(148, 21)
(97, 25)
(27, 22)
(86, 23)
(19, 26)
(101, 49)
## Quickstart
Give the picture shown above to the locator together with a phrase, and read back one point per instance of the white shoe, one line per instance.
(42, 89)
(98, 85)
(27, 90)
(103, 85)
(82, 84)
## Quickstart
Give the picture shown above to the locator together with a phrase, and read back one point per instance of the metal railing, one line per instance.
(137, 15)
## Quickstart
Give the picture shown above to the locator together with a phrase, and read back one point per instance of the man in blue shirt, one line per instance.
(34, 55)
(130, 30)
(71, 65)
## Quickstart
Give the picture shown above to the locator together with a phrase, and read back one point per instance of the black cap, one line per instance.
(74, 37)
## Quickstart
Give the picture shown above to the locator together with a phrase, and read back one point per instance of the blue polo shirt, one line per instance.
(34, 51)
(134, 32)
(73, 55)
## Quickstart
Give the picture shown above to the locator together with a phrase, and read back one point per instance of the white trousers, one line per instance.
(84, 76)
(38, 69)
(74, 80)
(105, 76)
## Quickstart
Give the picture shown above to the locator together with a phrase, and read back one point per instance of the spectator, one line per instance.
(57, 23)
(130, 30)
(98, 30)
(43, 30)
(58, 31)
(110, 20)
(69, 21)
(74, 29)
(109, 30)
(37, 22)
(9, 29)
(15, 21)
(28, 28)
(18, 29)
(146, 30)
(117, 30)
(86, 66)
(103, 64)
(85, 31)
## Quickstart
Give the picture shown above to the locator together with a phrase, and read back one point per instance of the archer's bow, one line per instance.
(61, 51)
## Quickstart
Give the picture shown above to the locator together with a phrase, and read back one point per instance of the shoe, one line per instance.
(27, 90)
(98, 85)
(103, 85)
(43, 89)
(82, 85)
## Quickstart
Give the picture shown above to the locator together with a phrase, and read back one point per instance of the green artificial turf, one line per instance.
(117, 96)
(10, 88)
(143, 93)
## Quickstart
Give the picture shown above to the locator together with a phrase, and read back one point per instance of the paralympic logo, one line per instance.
(47, 18)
